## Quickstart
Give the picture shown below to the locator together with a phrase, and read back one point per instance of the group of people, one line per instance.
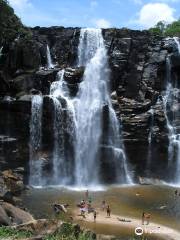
(85, 206)
(108, 210)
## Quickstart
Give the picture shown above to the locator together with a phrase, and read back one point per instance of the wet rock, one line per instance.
(22, 83)
(73, 75)
(25, 98)
(24, 54)
(133, 106)
(43, 79)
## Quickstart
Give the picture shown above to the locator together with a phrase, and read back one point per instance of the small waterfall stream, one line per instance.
(50, 64)
(1, 49)
(35, 141)
(176, 39)
(149, 155)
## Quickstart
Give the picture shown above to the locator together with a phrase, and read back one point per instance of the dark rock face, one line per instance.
(137, 62)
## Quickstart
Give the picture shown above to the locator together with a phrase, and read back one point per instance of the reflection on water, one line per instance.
(160, 201)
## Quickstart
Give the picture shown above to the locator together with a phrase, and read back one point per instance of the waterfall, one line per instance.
(93, 95)
(59, 91)
(176, 39)
(49, 59)
(170, 105)
(80, 120)
(149, 156)
(35, 140)
(1, 48)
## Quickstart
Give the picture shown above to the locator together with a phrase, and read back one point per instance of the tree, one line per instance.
(159, 28)
(164, 29)
(173, 29)
(10, 24)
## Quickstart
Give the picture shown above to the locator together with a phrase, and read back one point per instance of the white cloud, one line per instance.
(20, 4)
(102, 23)
(152, 13)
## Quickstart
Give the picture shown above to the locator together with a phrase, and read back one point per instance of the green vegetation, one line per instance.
(66, 232)
(69, 232)
(10, 24)
(7, 232)
(166, 30)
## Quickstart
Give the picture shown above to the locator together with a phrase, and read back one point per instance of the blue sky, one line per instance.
(135, 14)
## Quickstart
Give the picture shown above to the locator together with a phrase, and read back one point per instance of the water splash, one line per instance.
(36, 140)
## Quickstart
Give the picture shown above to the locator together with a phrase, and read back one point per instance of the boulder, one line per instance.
(40, 227)
(73, 75)
(43, 80)
(4, 219)
(13, 181)
(18, 215)
(22, 83)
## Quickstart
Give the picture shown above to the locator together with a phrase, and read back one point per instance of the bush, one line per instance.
(166, 30)
(7, 232)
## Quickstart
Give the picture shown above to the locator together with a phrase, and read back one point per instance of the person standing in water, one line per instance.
(143, 216)
(108, 211)
(176, 192)
(95, 215)
(87, 194)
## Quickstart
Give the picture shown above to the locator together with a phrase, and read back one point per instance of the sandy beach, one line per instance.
(158, 230)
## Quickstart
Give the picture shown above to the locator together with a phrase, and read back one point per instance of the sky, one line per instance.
(134, 14)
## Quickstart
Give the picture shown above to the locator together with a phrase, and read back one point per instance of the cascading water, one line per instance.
(149, 155)
(49, 59)
(61, 168)
(171, 104)
(1, 49)
(81, 119)
(176, 39)
(35, 141)
(93, 95)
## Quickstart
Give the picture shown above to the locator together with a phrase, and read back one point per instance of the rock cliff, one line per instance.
(137, 61)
